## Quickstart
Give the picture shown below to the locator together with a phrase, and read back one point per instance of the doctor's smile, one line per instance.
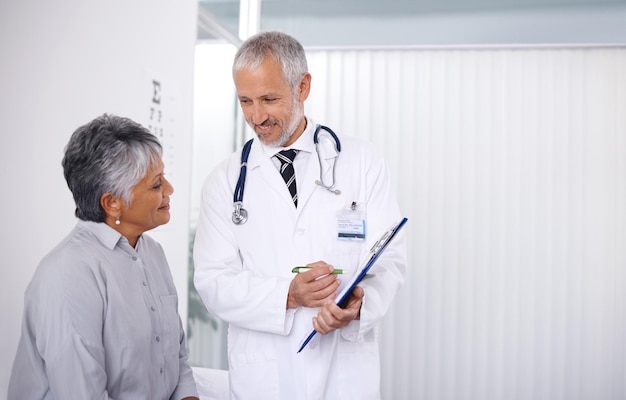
(266, 126)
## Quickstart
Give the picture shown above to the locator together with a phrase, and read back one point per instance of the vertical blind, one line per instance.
(511, 167)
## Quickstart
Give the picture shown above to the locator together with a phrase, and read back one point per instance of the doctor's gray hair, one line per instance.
(110, 154)
(283, 48)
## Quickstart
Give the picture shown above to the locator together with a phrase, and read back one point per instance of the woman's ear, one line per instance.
(111, 205)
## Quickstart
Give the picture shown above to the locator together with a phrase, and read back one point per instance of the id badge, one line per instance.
(351, 223)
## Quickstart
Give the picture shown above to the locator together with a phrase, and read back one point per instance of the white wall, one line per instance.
(214, 124)
(214, 113)
(64, 63)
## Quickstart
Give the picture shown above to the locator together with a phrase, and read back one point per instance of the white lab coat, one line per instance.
(242, 272)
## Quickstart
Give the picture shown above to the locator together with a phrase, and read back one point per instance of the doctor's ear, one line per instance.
(305, 87)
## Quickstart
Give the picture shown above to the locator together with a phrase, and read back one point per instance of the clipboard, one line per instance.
(377, 249)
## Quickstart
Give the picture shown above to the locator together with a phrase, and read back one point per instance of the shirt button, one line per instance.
(134, 258)
(158, 338)
(152, 308)
(144, 283)
(161, 370)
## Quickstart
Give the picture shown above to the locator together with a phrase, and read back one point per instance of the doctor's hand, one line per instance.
(314, 287)
(332, 317)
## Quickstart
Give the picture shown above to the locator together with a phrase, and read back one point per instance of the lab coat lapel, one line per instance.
(328, 155)
(261, 165)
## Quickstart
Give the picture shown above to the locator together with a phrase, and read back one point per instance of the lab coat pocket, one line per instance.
(254, 375)
(253, 365)
(359, 363)
(346, 256)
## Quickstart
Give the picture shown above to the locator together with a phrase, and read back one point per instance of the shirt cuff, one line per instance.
(185, 390)
(290, 314)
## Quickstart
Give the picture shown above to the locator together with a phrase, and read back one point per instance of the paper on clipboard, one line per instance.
(376, 250)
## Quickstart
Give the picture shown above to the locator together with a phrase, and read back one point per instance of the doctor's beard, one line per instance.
(290, 128)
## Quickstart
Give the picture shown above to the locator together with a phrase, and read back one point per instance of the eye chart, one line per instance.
(159, 114)
(158, 111)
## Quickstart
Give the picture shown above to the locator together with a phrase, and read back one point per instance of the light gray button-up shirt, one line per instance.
(101, 322)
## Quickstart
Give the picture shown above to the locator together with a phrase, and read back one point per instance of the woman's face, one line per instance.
(150, 203)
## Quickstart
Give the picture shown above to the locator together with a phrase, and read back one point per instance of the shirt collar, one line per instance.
(108, 236)
(304, 142)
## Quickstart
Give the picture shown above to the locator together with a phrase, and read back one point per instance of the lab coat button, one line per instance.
(158, 338)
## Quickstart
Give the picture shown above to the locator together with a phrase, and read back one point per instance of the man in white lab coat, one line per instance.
(342, 202)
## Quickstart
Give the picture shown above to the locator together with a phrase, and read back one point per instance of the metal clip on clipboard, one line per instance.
(377, 249)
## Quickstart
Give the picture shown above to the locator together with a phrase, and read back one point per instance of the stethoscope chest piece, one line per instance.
(240, 215)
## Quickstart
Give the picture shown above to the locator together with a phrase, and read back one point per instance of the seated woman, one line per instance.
(100, 314)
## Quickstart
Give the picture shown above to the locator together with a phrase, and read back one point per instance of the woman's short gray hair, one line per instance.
(283, 48)
(110, 154)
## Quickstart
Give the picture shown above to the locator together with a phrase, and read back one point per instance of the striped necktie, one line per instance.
(286, 158)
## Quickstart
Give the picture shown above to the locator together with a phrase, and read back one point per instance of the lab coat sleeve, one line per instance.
(388, 273)
(230, 292)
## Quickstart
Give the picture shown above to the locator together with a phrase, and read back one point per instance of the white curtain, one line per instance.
(511, 167)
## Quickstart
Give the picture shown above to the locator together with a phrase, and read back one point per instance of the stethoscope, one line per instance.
(240, 215)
